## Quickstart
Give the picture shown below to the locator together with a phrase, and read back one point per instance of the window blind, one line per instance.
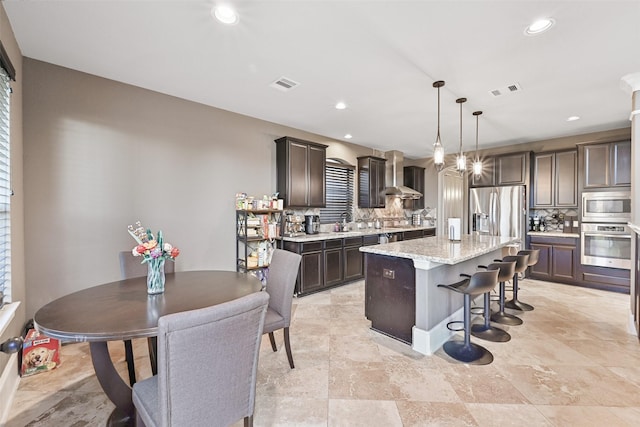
(5, 188)
(339, 197)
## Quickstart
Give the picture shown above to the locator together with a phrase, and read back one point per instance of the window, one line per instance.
(6, 73)
(339, 182)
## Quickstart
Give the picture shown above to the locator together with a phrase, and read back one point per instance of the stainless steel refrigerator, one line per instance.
(498, 211)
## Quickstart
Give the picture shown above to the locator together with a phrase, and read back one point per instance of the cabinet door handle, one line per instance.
(615, 236)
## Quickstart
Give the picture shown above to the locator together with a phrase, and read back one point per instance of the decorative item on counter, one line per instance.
(154, 251)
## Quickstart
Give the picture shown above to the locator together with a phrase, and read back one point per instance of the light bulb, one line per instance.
(477, 167)
(438, 155)
(461, 162)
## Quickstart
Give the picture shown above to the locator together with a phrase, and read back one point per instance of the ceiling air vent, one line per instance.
(284, 84)
(512, 88)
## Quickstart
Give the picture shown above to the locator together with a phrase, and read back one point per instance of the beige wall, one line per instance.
(100, 155)
(17, 201)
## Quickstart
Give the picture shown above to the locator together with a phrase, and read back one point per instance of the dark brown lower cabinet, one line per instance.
(333, 262)
(353, 259)
(558, 260)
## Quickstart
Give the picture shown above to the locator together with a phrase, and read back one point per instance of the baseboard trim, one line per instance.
(9, 382)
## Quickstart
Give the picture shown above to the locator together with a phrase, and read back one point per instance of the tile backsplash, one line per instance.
(552, 217)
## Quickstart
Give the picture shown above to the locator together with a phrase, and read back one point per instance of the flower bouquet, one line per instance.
(154, 251)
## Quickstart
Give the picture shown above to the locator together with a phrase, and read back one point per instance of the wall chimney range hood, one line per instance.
(394, 175)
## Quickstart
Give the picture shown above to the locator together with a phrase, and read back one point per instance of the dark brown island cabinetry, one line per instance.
(414, 178)
(371, 182)
(301, 172)
(503, 170)
(555, 180)
(390, 295)
(558, 261)
(606, 165)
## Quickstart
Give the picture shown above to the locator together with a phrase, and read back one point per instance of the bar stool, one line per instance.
(514, 304)
(486, 331)
(501, 316)
(465, 351)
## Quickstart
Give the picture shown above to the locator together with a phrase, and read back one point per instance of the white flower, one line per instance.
(167, 247)
(135, 252)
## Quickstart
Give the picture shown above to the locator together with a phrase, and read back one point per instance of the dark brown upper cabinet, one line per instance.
(301, 172)
(555, 179)
(506, 169)
(371, 182)
(414, 178)
(606, 165)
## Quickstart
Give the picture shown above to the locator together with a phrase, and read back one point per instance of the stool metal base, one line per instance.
(468, 353)
(506, 319)
(490, 333)
(518, 305)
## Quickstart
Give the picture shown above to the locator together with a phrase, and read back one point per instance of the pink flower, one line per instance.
(175, 252)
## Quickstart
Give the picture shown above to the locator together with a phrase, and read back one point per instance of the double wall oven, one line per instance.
(606, 237)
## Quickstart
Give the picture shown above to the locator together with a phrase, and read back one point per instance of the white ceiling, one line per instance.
(379, 57)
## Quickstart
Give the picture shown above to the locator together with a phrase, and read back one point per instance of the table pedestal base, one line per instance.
(114, 387)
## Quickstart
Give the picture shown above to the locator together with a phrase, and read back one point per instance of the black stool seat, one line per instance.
(465, 351)
(515, 304)
(501, 316)
(485, 331)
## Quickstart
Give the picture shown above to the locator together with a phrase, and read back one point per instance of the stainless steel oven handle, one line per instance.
(617, 236)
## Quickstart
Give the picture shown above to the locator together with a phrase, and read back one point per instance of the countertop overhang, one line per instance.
(440, 249)
(353, 233)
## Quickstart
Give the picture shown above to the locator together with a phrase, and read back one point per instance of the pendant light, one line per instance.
(461, 159)
(438, 149)
(477, 163)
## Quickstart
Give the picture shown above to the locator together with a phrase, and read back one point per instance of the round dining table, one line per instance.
(123, 310)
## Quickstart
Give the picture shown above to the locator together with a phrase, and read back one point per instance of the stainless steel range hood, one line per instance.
(394, 175)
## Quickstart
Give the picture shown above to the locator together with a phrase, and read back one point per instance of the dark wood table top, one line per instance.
(123, 309)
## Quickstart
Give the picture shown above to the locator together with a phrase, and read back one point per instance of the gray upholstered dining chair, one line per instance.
(131, 267)
(207, 365)
(281, 281)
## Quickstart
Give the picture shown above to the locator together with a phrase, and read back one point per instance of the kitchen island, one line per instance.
(402, 298)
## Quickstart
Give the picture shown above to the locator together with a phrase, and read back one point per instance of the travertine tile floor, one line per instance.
(572, 363)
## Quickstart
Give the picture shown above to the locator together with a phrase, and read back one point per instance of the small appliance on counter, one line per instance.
(455, 229)
(312, 224)
(570, 224)
(293, 225)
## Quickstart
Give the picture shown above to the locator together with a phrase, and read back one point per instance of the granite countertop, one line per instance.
(440, 249)
(353, 233)
(553, 234)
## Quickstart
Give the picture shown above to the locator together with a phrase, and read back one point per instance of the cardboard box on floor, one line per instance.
(39, 353)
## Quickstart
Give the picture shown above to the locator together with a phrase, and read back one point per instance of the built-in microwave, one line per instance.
(606, 206)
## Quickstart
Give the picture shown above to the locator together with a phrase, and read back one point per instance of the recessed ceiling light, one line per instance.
(225, 14)
(573, 118)
(539, 26)
(341, 106)
(348, 136)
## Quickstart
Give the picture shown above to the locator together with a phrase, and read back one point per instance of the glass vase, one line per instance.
(155, 276)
